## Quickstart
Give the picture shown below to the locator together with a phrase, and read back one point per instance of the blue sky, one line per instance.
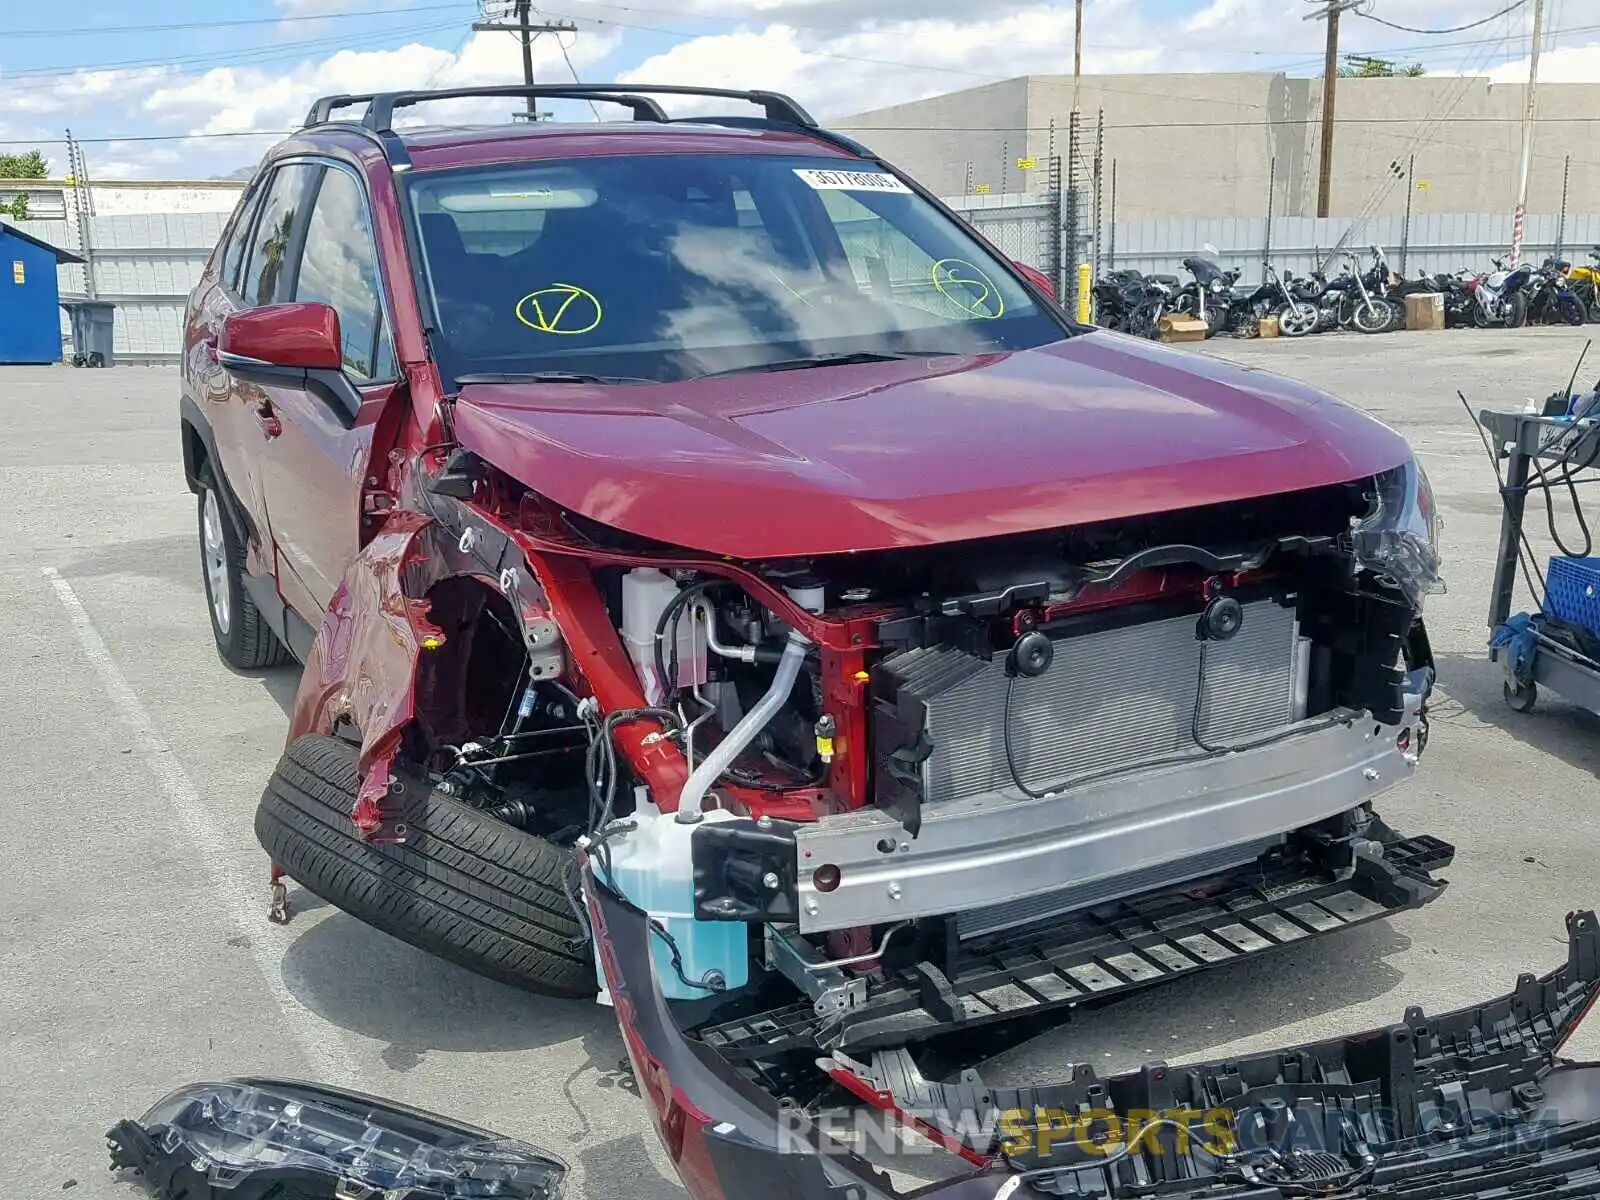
(197, 88)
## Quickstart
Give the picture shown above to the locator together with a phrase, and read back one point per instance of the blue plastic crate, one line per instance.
(1572, 591)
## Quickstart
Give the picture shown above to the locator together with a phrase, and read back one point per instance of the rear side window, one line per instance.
(339, 268)
(276, 230)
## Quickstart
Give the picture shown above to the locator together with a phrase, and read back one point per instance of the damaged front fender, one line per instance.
(1419, 1108)
(363, 670)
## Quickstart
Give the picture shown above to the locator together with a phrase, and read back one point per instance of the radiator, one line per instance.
(1112, 699)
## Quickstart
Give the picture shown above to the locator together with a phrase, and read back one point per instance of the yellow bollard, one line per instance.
(1085, 290)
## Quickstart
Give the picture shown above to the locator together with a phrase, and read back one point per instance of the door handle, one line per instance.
(271, 427)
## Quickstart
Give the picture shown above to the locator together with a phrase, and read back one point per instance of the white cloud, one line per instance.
(836, 56)
(232, 100)
(1565, 64)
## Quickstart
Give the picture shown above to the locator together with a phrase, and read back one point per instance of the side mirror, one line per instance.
(300, 336)
(295, 345)
(1210, 249)
(1036, 277)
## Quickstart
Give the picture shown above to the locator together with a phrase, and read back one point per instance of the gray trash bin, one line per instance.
(91, 331)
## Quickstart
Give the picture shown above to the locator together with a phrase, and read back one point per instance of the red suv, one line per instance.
(698, 515)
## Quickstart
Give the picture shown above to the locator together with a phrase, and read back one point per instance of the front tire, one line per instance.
(463, 886)
(244, 640)
(1516, 311)
(1298, 319)
(1372, 318)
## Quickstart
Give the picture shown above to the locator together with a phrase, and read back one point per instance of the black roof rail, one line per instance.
(644, 109)
(322, 109)
(380, 106)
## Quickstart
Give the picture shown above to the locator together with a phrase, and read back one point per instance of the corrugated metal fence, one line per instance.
(147, 264)
(1434, 242)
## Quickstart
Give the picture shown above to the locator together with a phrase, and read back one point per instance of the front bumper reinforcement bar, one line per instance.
(1100, 953)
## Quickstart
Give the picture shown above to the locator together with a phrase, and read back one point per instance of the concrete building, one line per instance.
(1204, 145)
(48, 199)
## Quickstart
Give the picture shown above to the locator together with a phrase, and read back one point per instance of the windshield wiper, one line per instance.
(826, 360)
(546, 377)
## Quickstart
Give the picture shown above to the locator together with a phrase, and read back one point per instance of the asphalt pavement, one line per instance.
(135, 953)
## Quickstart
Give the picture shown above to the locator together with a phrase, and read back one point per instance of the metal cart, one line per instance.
(1525, 439)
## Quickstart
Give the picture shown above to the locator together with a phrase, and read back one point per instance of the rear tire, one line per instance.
(464, 886)
(243, 637)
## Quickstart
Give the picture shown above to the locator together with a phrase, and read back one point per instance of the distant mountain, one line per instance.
(240, 173)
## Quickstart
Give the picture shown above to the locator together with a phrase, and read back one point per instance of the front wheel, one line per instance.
(464, 885)
(1297, 319)
(1571, 310)
(1516, 311)
(243, 637)
(1373, 317)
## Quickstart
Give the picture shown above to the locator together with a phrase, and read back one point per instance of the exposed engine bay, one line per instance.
(1049, 768)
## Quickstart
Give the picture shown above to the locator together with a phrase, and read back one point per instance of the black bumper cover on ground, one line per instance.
(1456, 1105)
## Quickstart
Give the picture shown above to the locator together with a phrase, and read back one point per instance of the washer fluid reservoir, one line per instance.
(652, 866)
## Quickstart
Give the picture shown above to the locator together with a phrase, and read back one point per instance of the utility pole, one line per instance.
(1519, 220)
(1077, 52)
(526, 30)
(1330, 78)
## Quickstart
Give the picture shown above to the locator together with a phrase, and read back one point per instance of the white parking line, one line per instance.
(324, 1050)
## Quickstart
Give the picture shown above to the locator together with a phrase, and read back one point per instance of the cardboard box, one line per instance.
(1267, 327)
(1425, 311)
(1176, 327)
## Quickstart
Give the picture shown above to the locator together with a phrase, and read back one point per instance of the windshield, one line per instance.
(655, 268)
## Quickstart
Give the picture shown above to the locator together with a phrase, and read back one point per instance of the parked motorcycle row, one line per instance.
(1367, 296)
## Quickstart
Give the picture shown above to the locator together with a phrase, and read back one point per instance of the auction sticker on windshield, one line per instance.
(851, 181)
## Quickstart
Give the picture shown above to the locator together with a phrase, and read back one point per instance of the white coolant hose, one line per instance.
(741, 735)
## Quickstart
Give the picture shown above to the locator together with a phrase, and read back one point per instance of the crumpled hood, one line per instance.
(921, 451)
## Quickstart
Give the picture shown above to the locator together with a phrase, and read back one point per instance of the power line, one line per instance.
(187, 26)
(848, 127)
(288, 50)
(1510, 8)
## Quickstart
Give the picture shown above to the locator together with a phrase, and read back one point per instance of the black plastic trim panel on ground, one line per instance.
(1105, 952)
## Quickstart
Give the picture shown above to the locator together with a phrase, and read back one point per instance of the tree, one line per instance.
(1358, 66)
(23, 166)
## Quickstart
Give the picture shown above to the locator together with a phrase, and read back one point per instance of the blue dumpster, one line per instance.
(30, 324)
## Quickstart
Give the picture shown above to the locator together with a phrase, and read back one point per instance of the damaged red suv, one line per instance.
(714, 562)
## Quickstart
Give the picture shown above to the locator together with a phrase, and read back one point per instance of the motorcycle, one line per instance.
(1209, 294)
(1499, 296)
(1346, 302)
(1271, 297)
(1551, 301)
(1386, 286)
(1585, 285)
(1133, 303)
